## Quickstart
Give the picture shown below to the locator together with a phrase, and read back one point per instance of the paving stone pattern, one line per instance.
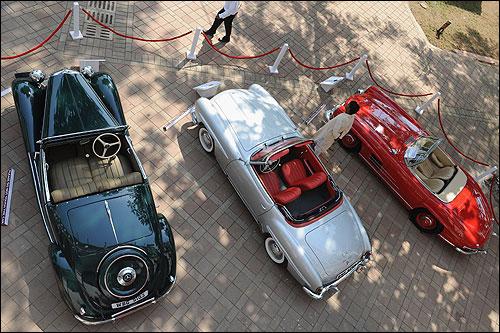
(225, 280)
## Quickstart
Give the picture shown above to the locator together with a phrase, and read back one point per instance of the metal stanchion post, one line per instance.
(274, 68)
(76, 33)
(361, 61)
(420, 109)
(191, 54)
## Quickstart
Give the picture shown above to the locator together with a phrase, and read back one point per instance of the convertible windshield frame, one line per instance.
(263, 155)
(419, 151)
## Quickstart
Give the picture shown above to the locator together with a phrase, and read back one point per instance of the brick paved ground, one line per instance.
(225, 280)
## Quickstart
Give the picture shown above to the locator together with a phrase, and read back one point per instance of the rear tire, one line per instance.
(351, 143)
(274, 251)
(425, 221)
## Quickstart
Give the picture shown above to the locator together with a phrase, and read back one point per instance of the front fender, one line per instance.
(29, 99)
(105, 88)
(67, 282)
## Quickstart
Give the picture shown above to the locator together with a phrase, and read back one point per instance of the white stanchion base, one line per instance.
(419, 110)
(190, 56)
(349, 76)
(273, 70)
(329, 83)
(76, 34)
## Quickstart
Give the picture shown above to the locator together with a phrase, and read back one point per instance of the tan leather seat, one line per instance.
(78, 176)
(118, 173)
(434, 184)
(431, 170)
(71, 178)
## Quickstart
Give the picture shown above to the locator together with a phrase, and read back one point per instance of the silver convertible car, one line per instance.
(308, 223)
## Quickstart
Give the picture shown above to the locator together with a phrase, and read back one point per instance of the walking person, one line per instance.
(226, 15)
(335, 129)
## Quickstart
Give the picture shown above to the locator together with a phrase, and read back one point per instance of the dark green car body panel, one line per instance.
(88, 230)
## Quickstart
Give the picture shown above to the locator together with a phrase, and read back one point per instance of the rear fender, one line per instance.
(67, 281)
(299, 264)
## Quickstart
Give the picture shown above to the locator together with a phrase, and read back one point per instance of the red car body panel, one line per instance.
(385, 130)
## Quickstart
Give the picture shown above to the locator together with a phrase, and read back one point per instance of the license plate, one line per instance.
(130, 301)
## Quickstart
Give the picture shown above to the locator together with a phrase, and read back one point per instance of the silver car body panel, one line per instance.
(242, 122)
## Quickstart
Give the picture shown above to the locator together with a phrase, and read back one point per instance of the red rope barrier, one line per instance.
(42, 43)
(451, 143)
(238, 57)
(320, 68)
(491, 198)
(132, 37)
(392, 92)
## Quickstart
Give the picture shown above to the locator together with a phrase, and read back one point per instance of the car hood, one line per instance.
(385, 118)
(473, 212)
(254, 117)
(338, 242)
(72, 106)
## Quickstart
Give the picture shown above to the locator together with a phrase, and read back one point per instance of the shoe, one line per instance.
(209, 35)
(224, 40)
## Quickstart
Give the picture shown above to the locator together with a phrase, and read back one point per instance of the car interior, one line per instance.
(297, 182)
(75, 169)
(440, 175)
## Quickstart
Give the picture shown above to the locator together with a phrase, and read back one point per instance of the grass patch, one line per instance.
(474, 25)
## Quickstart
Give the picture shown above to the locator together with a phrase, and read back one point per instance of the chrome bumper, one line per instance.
(125, 312)
(319, 295)
(465, 250)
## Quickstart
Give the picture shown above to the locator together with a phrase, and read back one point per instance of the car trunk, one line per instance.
(337, 243)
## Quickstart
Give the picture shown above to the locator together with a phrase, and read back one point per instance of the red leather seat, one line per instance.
(272, 182)
(295, 175)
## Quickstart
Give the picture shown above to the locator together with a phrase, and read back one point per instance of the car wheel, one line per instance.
(206, 140)
(274, 251)
(425, 221)
(351, 143)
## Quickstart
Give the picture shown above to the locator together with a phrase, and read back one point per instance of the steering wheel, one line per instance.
(107, 141)
(270, 166)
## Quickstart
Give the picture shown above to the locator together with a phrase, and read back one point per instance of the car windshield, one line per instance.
(418, 152)
(266, 152)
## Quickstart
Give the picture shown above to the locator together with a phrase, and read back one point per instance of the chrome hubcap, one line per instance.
(126, 276)
(426, 221)
(206, 140)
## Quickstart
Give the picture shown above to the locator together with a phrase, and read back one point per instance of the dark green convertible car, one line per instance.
(111, 251)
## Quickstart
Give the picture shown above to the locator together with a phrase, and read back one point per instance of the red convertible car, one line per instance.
(442, 198)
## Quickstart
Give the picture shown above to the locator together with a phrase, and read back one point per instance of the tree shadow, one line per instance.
(470, 6)
(472, 41)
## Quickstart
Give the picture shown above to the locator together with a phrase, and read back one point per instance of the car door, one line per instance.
(248, 187)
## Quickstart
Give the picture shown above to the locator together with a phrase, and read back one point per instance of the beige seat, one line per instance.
(431, 170)
(78, 176)
(434, 184)
(118, 173)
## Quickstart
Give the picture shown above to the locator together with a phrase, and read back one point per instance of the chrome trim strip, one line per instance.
(79, 134)
(129, 141)
(333, 285)
(465, 250)
(117, 315)
(34, 175)
(116, 249)
(110, 219)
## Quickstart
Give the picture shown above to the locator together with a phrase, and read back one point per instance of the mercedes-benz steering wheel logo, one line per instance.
(126, 276)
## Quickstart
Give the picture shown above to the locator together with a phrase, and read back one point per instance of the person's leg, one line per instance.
(217, 22)
(228, 25)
